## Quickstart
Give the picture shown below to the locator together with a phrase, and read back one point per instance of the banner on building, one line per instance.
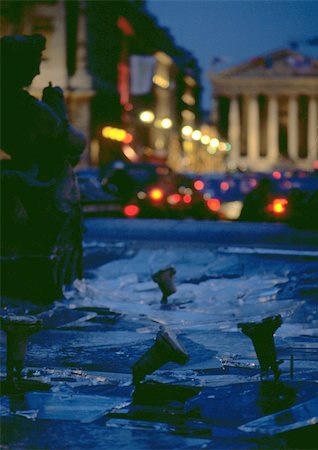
(141, 73)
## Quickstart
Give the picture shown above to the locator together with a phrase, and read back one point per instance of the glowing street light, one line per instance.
(146, 116)
(166, 123)
(214, 142)
(205, 139)
(187, 130)
(196, 135)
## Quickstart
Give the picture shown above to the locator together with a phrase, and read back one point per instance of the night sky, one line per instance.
(236, 31)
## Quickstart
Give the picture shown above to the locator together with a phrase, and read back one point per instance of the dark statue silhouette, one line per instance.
(41, 241)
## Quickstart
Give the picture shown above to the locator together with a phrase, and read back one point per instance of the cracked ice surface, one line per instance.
(215, 291)
(107, 321)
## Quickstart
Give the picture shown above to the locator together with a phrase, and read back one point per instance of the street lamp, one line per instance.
(166, 123)
(147, 116)
(196, 135)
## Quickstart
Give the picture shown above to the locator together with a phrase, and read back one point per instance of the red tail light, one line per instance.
(173, 199)
(198, 185)
(156, 194)
(277, 175)
(187, 198)
(278, 206)
(214, 204)
(224, 186)
(131, 210)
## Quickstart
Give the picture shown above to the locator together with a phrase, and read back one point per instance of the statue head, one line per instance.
(21, 58)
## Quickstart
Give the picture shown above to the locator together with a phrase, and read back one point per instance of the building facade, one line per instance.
(129, 88)
(63, 64)
(268, 111)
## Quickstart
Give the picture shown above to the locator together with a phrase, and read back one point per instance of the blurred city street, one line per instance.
(226, 274)
(159, 225)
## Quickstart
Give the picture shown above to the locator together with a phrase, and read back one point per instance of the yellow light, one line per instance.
(187, 130)
(187, 115)
(188, 99)
(115, 134)
(188, 146)
(211, 150)
(222, 146)
(196, 135)
(105, 132)
(156, 194)
(146, 116)
(214, 142)
(159, 144)
(161, 81)
(205, 139)
(166, 123)
(190, 81)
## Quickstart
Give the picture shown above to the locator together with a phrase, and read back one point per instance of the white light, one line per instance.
(196, 135)
(166, 123)
(141, 195)
(214, 142)
(187, 130)
(146, 116)
(130, 153)
(205, 139)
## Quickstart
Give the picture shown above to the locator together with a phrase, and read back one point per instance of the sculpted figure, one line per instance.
(41, 242)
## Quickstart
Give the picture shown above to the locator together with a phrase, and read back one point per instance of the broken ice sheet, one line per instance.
(30, 414)
(83, 408)
(299, 416)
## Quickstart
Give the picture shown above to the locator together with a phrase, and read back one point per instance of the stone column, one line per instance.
(312, 130)
(253, 129)
(292, 131)
(53, 66)
(234, 128)
(272, 130)
(81, 86)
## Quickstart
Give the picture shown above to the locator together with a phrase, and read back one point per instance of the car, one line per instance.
(291, 196)
(155, 191)
(291, 199)
(226, 191)
(94, 200)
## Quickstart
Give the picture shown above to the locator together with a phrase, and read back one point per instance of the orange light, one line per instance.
(187, 198)
(128, 138)
(198, 185)
(279, 205)
(173, 199)
(131, 210)
(277, 175)
(214, 204)
(224, 185)
(156, 194)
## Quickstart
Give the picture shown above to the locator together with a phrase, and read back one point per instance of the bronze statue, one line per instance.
(41, 241)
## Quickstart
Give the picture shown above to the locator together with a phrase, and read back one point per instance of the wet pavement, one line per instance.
(78, 390)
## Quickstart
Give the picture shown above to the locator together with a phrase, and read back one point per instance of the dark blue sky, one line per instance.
(236, 30)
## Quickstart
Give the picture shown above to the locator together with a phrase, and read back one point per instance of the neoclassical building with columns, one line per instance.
(268, 111)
